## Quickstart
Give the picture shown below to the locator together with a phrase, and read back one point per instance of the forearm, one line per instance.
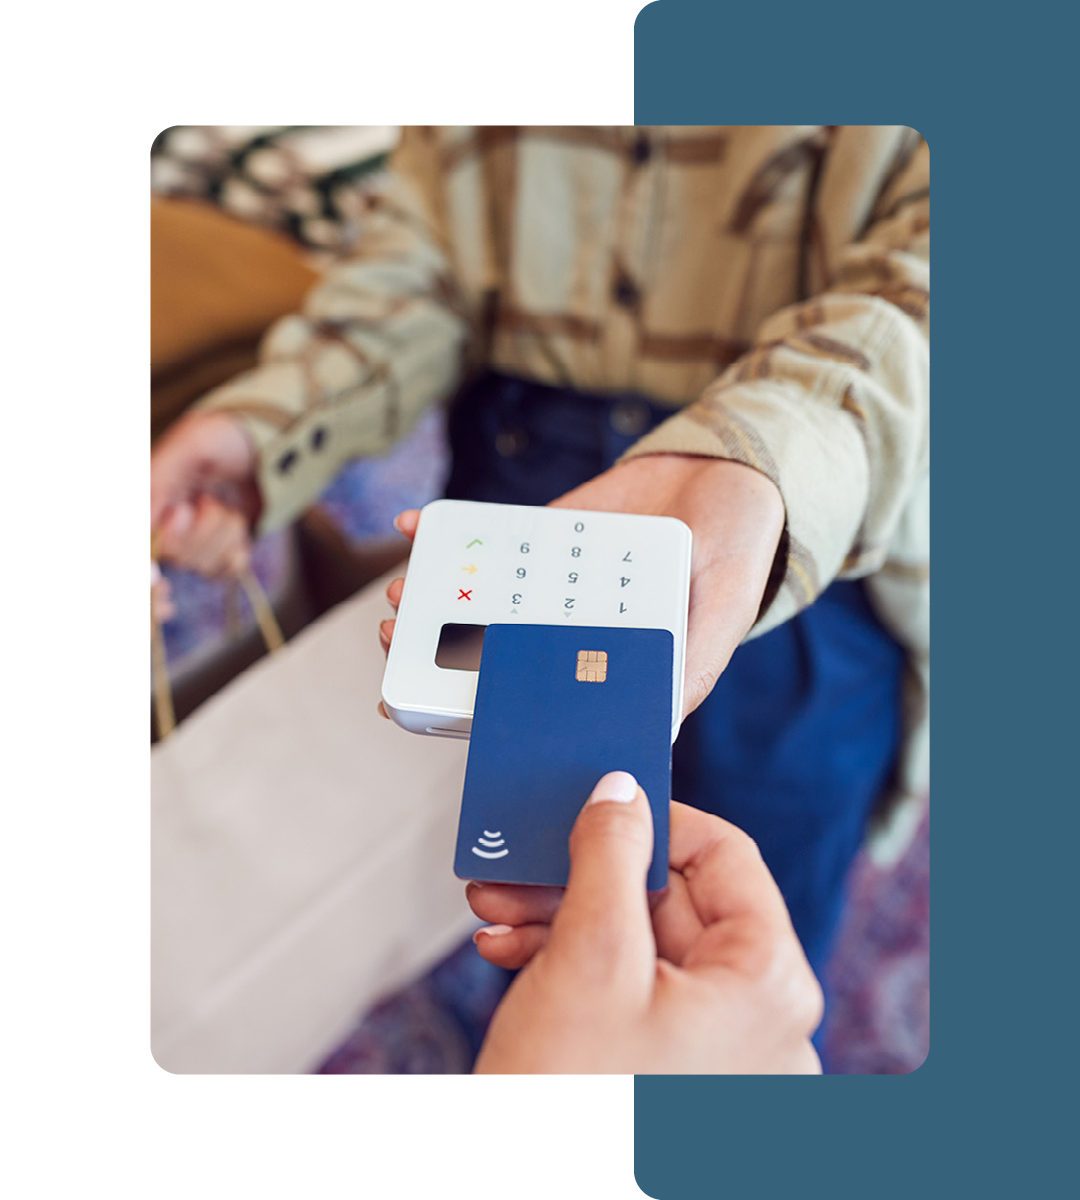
(321, 397)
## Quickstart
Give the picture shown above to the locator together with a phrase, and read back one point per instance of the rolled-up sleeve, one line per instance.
(832, 400)
(377, 341)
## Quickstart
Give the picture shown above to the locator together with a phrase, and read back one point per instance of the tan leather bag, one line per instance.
(216, 285)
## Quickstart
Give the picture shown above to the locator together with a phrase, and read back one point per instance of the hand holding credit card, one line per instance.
(556, 708)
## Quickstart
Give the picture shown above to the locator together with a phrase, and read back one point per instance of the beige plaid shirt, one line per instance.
(769, 283)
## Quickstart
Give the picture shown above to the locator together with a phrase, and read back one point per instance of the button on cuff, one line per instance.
(287, 461)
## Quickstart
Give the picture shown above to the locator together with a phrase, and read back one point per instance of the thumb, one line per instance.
(603, 928)
(167, 537)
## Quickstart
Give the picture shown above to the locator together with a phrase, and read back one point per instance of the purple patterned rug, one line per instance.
(879, 979)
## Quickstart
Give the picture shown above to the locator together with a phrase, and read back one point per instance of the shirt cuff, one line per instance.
(814, 457)
(298, 453)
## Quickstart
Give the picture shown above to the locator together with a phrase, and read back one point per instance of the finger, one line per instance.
(386, 633)
(719, 615)
(746, 922)
(512, 948)
(226, 545)
(406, 522)
(393, 592)
(514, 904)
(381, 709)
(187, 535)
(163, 604)
(218, 534)
(238, 560)
(173, 531)
(234, 548)
(198, 551)
(602, 930)
(160, 500)
(168, 482)
(181, 519)
(722, 866)
(676, 924)
(225, 555)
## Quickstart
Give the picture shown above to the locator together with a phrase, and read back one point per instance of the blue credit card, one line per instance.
(557, 708)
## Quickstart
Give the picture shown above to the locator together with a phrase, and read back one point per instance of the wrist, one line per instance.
(755, 483)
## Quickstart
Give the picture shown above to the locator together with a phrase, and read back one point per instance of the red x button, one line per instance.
(464, 595)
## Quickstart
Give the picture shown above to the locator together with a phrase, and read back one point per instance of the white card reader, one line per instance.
(474, 564)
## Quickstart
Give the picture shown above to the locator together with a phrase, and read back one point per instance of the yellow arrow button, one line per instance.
(471, 569)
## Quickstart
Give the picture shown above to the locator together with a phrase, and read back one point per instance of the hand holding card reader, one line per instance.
(475, 564)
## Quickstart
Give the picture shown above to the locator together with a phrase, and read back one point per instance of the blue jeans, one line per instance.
(797, 740)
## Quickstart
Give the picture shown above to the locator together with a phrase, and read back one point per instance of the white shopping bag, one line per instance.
(302, 851)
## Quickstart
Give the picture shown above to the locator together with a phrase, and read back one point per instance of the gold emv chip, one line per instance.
(591, 666)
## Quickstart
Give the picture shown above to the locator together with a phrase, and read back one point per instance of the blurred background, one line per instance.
(306, 189)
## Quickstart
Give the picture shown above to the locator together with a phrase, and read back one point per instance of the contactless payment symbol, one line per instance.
(492, 840)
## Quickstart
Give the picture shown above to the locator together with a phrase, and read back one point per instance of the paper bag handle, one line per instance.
(159, 666)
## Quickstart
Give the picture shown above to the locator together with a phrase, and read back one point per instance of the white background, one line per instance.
(87, 87)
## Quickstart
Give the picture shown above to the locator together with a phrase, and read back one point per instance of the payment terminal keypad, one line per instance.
(474, 564)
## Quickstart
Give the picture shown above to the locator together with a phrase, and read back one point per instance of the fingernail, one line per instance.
(476, 883)
(619, 786)
(384, 633)
(397, 522)
(492, 931)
